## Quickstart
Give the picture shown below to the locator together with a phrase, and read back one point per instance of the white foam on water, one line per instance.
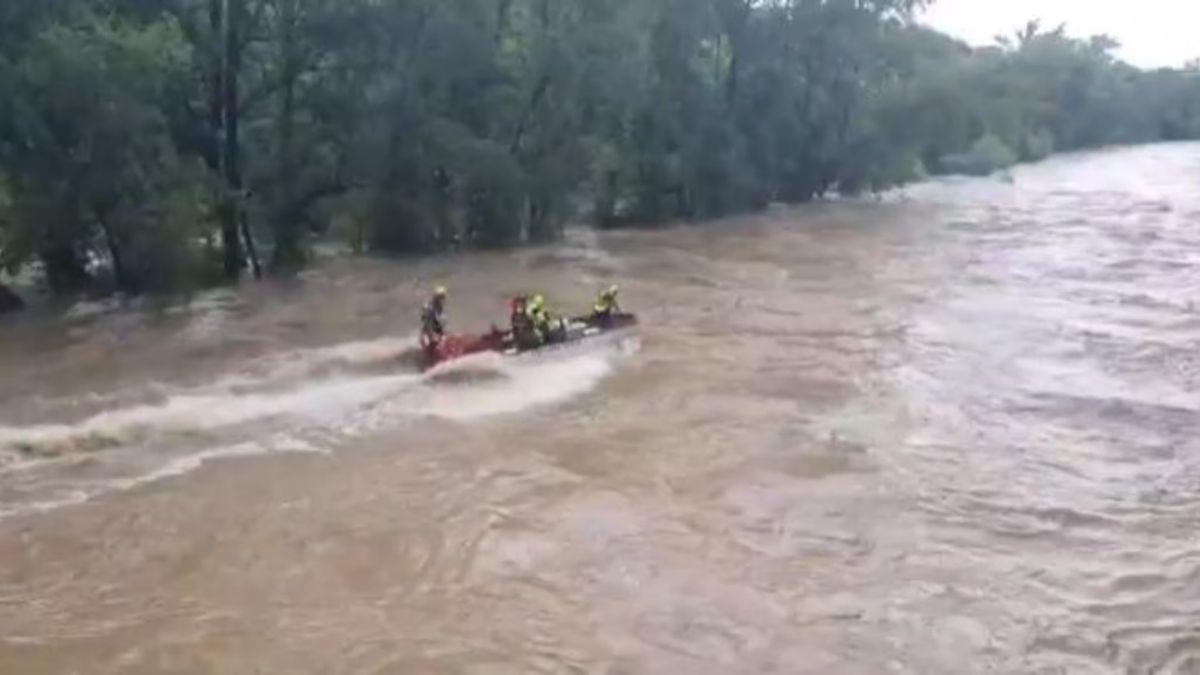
(88, 309)
(357, 353)
(319, 402)
(533, 380)
(74, 498)
(505, 385)
(279, 444)
(184, 465)
(340, 406)
(304, 363)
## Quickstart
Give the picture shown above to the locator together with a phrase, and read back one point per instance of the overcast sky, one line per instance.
(1152, 32)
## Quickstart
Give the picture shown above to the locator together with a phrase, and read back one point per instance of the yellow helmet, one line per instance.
(612, 291)
(537, 302)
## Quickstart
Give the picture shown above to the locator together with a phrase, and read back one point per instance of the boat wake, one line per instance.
(307, 400)
(502, 385)
(194, 413)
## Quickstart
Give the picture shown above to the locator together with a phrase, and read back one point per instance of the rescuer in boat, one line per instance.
(549, 328)
(433, 320)
(525, 333)
(607, 307)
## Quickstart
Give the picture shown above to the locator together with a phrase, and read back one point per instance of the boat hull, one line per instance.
(455, 347)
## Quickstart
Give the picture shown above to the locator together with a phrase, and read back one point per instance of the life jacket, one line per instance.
(606, 305)
(538, 315)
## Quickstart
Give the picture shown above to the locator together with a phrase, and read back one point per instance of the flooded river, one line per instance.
(955, 430)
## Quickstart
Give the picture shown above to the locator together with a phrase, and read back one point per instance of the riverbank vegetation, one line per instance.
(150, 145)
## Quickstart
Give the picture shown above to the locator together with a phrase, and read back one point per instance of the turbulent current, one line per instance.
(954, 429)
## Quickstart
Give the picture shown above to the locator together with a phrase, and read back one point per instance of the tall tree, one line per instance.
(162, 142)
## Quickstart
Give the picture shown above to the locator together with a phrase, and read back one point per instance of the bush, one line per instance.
(1037, 144)
(496, 196)
(988, 155)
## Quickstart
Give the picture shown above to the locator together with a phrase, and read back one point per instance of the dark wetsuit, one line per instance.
(433, 322)
(525, 334)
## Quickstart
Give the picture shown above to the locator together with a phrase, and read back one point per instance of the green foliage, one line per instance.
(494, 195)
(93, 170)
(155, 141)
(1040, 92)
(987, 155)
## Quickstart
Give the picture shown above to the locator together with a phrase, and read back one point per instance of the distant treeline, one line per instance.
(151, 145)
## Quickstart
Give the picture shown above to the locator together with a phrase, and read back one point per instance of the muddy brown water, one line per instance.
(954, 430)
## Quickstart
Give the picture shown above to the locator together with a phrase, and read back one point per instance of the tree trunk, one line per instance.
(606, 201)
(735, 73)
(251, 247)
(502, 8)
(535, 99)
(216, 66)
(124, 280)
(287, 240)
(235, 12)
(735, 17)
(226, 18)
(231, 244)
(65, 271)
(9, 301)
